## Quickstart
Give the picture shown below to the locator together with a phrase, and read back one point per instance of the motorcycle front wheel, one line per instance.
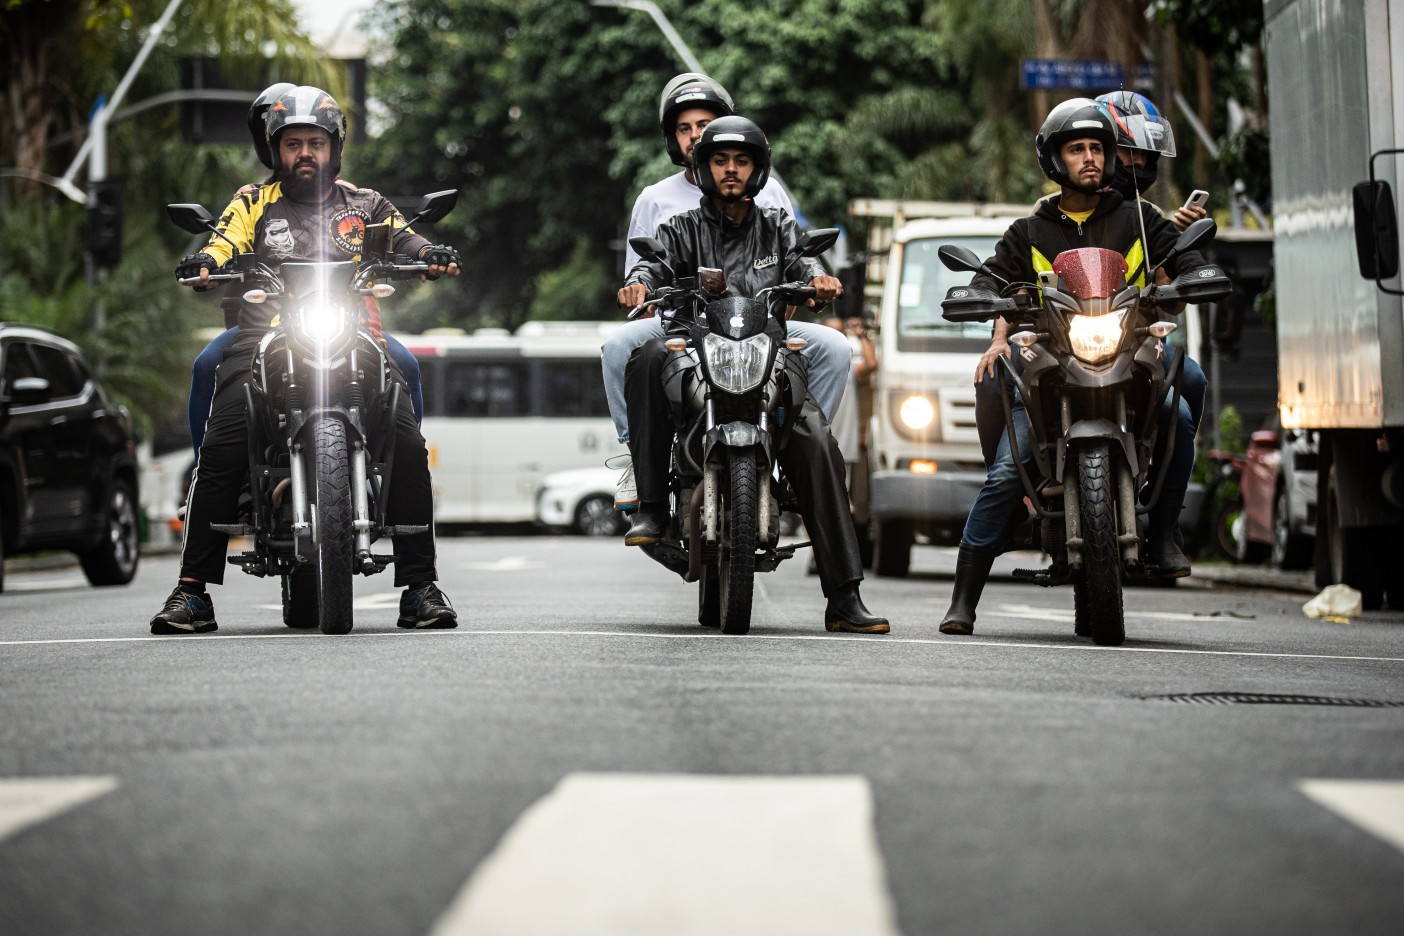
(1100, 596)
(737, 565)
(331, 467)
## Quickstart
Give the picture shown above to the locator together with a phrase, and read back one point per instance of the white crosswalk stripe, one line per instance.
(29, 801)
(1377, 806)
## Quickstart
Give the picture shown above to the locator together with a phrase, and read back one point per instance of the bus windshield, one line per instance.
(925, 281)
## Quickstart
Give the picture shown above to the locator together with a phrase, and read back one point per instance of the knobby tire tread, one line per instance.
(738, 565)
(1101, 556)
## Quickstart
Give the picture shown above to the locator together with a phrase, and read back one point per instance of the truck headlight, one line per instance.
(916, 412)
(1095, 338)
(737, 366)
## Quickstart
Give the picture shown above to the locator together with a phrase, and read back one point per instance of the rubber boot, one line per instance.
(846, 612)
(972, 571)
(648, 523)
(1163, 553)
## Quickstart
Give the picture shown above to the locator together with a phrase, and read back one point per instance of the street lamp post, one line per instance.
(664, 27)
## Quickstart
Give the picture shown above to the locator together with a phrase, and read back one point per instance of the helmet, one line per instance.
(1140, 126)
(257, 110)
(306, 106)
(732, 132)
(689, 89)
(1074, 119)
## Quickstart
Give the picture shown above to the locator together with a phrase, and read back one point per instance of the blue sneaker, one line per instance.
(426, 607)
(185, 613)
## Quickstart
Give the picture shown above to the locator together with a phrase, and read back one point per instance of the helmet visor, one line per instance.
(1142, 132)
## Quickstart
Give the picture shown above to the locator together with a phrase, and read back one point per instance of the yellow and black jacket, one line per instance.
(1031, 243)
(282, 229)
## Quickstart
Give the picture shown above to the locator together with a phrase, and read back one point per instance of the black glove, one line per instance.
(440, 255)
(189, 266)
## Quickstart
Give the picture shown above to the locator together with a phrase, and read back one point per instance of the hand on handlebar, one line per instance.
(193, 267)
(826, 290)
(442, 260)
(631, 297)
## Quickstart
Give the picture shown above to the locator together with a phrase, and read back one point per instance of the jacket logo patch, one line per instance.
(277, 237)
(348, 229)
(764, 262)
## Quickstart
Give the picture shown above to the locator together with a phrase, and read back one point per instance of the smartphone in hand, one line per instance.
(1198, 198)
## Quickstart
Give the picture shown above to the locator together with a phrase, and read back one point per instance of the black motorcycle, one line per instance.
(735, 384)
(1092, 356)
(321, 417)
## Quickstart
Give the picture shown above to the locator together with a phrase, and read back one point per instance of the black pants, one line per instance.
(810, 459)
(224, 464)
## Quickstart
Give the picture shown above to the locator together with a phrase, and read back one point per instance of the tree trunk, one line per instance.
(1206, 113)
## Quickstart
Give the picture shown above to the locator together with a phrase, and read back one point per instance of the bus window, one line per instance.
(572, 388)
(485, 389)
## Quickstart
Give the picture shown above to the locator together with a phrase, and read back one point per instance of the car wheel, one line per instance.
(114, 560)
(596, 516)
(1290, 549)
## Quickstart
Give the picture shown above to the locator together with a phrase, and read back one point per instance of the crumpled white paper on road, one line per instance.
(1335, 603)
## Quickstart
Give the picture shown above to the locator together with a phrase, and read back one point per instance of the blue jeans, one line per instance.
(202, 380)
(827, 358)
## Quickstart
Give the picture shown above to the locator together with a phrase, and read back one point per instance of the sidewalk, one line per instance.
(1256, 576)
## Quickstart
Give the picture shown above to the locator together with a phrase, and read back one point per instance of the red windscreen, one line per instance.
(1091, 272)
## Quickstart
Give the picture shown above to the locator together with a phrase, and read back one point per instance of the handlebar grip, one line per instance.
(213, 278)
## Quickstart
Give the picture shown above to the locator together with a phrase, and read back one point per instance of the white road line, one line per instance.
(619, 854)
(1377, 806)
(957, 643)
(29, 801)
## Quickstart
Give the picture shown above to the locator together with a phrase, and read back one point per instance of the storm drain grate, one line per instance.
(1268, 698)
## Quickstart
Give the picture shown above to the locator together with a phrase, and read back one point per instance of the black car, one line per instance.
(68, 468)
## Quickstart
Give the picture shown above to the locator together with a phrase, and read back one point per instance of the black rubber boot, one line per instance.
(972, 571)
(846, 612)
(1163, 553)
(648, 523)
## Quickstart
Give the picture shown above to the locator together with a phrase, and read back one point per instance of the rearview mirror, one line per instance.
(1200, 232)
(650, 248)
(1376, 231)
(813, 243)
(434, 206)
(960, 259)
(192, 218)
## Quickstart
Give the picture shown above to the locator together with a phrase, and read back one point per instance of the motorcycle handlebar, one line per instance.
(213, 278)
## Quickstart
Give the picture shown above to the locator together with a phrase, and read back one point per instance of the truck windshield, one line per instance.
(924, 283)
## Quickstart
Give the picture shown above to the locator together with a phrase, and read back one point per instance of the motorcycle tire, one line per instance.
(1101, 555)
(737, 566)
(300, 600)
(331, 467)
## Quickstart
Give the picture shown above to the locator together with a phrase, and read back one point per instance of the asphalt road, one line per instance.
(579, 757)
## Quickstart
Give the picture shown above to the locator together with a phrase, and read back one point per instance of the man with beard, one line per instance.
(304, 215)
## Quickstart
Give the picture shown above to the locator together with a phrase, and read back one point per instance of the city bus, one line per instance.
(504, 410)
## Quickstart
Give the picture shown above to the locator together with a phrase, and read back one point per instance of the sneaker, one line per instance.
(626, 495)
(185, 613)
(426, 607)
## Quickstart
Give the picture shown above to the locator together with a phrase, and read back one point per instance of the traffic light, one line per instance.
(102, 230)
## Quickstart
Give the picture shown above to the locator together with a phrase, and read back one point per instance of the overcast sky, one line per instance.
(324, 21)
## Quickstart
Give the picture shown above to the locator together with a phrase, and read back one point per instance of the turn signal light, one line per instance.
(1161, 329)
(676, 344)
(382, 290)
(796, 344)
(255, 296)
(922, 466)
(1023, 339)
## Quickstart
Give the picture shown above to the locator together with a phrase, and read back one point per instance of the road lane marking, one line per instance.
(642, 854)
(505, 564)
(955, 643)
(28, 801)
(1377, 806)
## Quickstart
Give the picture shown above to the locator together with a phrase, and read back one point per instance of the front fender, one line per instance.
(1097, 429)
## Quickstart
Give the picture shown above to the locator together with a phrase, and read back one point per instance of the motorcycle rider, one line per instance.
(689, 102)
(755, 247)
(1076, 148)
(303, 215)
(202, 372)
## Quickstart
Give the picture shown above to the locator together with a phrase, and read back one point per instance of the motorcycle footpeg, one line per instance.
(407, 530)
(233, 529)
(1046, 578)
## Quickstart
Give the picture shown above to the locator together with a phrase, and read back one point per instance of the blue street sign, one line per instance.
(1073, 75)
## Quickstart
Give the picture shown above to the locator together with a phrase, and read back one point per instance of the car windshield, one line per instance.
(925, 281)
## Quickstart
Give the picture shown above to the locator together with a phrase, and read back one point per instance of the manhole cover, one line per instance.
(1268, 698)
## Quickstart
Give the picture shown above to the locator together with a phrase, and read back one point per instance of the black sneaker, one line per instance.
(185, 613)
(426, 607)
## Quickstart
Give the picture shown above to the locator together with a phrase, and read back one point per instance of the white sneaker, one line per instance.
(626, 495)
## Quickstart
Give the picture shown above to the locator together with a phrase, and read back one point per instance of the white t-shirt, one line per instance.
(674, 195)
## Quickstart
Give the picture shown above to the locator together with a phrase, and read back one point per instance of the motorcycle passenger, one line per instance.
(689, 103)
(1076, 150)
(304, 215)
(202, 372)
(755, 247)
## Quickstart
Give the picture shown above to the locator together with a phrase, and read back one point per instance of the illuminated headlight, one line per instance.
(737, 366)
(1096, 337)
(916, 412)
(322, 322)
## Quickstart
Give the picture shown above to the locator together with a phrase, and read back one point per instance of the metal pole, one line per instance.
(664, 27)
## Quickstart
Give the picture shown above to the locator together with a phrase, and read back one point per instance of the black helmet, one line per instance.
(732, 132)
(689, 89)
(306, 106)
(257, 128)
(1141, 126)
(1074, 119)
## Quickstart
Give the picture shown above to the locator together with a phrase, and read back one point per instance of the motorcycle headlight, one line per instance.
(1095, 338)
(737, 366)
(321, 322)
